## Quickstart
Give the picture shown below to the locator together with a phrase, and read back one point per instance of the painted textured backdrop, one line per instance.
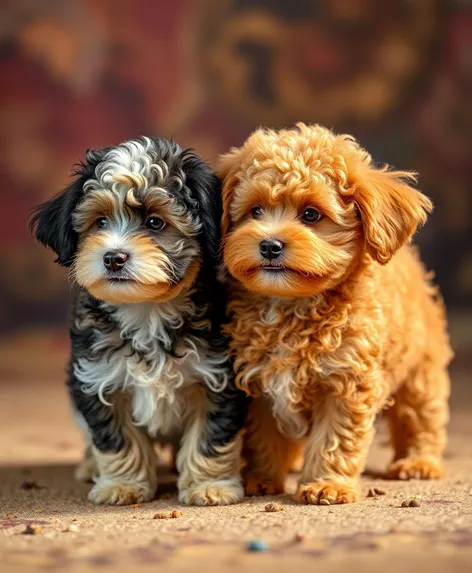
(90, 73)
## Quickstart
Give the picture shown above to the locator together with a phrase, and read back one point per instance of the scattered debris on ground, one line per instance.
(10, 516)
(175, 514)
(135, 505)
(27, 485)
(375, 491)
(162, 515)
(72, 528)
(258, 545)
(32, 530)
(414, 502)
(273, 508)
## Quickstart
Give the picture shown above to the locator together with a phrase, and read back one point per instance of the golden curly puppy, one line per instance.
(331, 315)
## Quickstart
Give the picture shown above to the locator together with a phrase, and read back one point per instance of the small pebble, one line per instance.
(273, 507)
(375, 491)
(245, 516)
(411, 503)
(72, 528)
(299, 538)
(258, 545)
(162, 515)
(166, 515)
(324, 502)
(135, 505)
(10, 516)
(32, 530)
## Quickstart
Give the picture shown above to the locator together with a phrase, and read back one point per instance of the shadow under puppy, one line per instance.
(139, 228)
(331, 315)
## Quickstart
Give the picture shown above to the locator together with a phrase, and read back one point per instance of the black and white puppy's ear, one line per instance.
(205, 188)
(51, 221)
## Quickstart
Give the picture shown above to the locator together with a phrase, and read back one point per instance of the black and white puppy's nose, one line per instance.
(271, 248)
(114, 260)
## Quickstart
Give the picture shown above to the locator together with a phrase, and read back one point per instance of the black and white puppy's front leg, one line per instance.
(124, 455)
(209, 460)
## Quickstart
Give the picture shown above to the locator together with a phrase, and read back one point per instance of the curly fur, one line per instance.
(349, 321)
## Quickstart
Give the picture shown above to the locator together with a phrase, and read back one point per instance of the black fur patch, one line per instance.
(104, 429)
(52, 221)
(225, 419)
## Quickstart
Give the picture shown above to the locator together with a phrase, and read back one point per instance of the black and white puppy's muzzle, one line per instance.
(139, 229)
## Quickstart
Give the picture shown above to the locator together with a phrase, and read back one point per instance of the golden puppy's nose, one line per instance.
(271, 248)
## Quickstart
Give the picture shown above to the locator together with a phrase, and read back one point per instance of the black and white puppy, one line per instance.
(139, 228)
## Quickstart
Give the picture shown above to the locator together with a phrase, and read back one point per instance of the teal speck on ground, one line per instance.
(258, 545)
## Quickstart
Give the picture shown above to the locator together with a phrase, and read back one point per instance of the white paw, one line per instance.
(109, 491)
(222, 492)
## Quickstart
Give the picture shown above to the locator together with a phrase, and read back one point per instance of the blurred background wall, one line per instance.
(76, 74)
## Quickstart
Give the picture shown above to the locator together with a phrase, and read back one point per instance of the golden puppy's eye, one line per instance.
(102, 222)
(311, 215)
(154, 223)
(256, 212)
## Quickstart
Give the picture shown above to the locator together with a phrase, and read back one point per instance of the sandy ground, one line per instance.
(39, 446)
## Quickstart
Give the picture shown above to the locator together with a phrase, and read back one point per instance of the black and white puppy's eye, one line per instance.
(256, 212)
(311, 215)
(154, 223)
(102, 222)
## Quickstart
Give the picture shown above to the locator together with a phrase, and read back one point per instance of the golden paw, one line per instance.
(416, 468)
(222, 492)
(86, 470)
(326, 493)
(110, 492)
(258, 485)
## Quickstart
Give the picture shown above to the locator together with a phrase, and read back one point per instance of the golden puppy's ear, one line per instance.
(390, 209)
(226, 170)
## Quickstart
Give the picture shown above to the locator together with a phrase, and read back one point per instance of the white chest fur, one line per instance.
(280, 391)
(133, 357)
(281, 385)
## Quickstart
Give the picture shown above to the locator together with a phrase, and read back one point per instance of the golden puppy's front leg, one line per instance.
(337, 448)
(267, 453)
